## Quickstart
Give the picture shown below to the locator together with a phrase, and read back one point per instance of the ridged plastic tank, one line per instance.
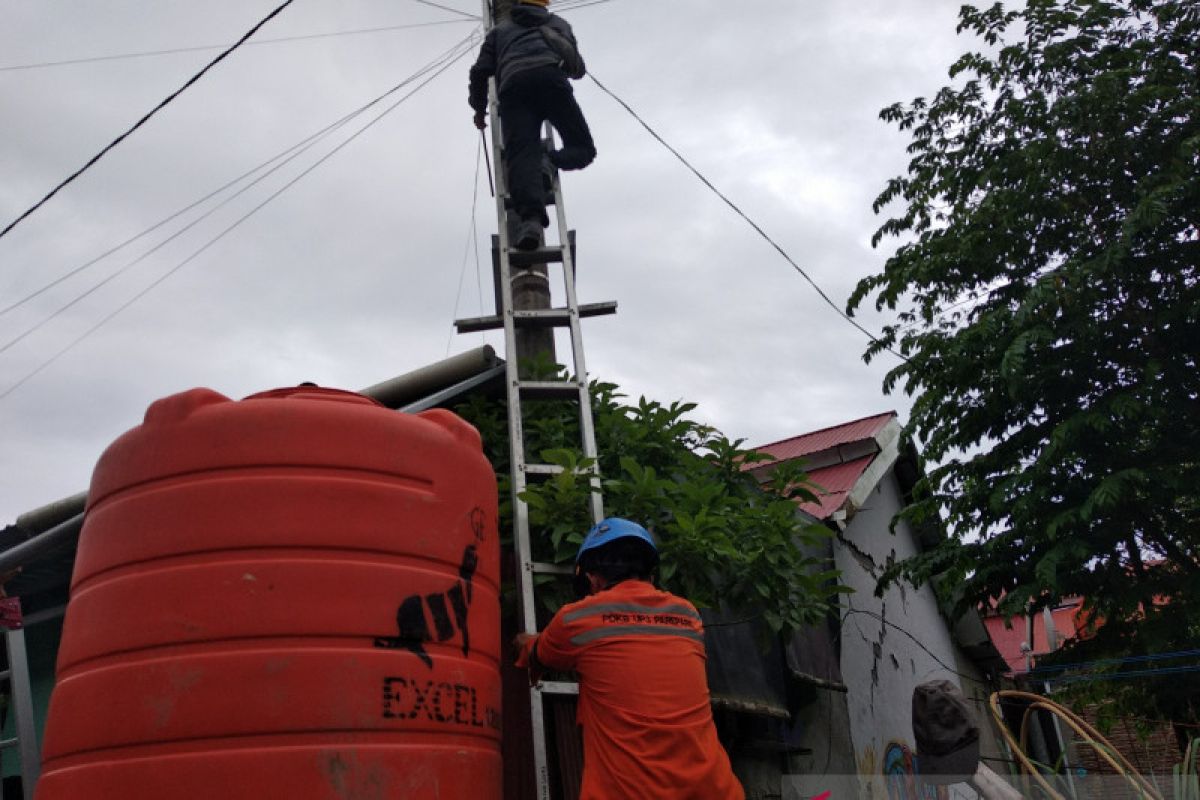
(290, 596)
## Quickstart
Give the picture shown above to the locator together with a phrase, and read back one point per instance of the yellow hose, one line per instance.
(1089, 736)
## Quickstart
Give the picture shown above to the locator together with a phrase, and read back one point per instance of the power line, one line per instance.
(18, 303)
(147, 116)
(1135, 673)
(940, 313)
(1108, 662)
(566, 6)
(472, 235)
(469, 45)
(571, 6)
(295, 150)
(95, 287)
(448, 8)
(915, 640)
(748, 220)
(197, 48)
(301, 145)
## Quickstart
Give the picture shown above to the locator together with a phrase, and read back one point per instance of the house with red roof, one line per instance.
(883, 645)
(837, 458)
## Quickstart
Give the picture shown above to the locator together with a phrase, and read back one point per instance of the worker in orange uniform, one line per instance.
(647, 721)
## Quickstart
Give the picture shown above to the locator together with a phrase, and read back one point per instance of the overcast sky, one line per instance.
(350, 276)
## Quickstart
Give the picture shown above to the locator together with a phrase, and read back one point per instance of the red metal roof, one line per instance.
(835, 483)
(809, 443)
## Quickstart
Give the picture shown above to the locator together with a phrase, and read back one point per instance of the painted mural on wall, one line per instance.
(900, 772)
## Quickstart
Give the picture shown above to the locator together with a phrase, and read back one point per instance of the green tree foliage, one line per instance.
(1047, 278)
(723, 538)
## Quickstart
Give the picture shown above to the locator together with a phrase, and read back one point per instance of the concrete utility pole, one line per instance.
(530, 292)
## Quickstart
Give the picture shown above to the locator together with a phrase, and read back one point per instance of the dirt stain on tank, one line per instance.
(351, 780)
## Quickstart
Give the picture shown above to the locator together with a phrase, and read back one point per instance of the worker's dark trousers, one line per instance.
(531, 97)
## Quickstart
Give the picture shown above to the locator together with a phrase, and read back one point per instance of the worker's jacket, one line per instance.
(512, 46)
(648, 730)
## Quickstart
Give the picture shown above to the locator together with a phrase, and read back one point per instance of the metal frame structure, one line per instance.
(510, 263)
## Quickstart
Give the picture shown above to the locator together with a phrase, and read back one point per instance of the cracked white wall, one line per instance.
(881, 664)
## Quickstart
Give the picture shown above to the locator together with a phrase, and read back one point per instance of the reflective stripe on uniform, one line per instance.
(634, 630)
(629, 608)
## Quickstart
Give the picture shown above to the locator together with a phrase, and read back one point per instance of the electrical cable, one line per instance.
(303, 143)
(568, 6)
(748, 220)
(479, 275)
(915, 640)
(239, 221)
(472, 233)
(112, 276)
(1135, 673)
(1068, 679)
(1088, 736)
(257, 42)
(1081, 727)
(146, 117)
(1107, 662)
(448, 8)
(1164, 670)
(940, 313)
(299, 149)
(46, 287)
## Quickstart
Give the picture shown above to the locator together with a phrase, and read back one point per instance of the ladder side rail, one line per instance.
(516, 431)
(516, 437)
(587, 428)
(22, 696)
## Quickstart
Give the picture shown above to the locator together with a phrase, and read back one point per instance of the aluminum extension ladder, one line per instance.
(508, 263)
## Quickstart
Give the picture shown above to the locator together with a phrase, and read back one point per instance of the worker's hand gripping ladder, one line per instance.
(507, 263)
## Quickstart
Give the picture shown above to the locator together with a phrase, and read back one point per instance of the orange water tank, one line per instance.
(292, 596)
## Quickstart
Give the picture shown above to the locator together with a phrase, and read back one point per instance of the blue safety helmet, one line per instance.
(611, 529)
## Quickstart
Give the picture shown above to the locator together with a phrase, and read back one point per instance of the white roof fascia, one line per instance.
(888, 440)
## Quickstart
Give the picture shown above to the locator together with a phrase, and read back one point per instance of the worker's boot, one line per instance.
(571, 156)
(529, 233)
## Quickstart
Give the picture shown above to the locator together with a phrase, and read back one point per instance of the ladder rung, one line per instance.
(542, 469)
(545, 318)
(543, 390)
(541, 567)
(528, 258)
(557, 687)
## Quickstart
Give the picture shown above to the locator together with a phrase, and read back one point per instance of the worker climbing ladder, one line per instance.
(509, 264)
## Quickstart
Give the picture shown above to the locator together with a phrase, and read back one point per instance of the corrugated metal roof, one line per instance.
(816, 441)
(835, 483)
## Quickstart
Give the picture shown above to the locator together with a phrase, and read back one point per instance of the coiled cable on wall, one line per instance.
(1088, 734)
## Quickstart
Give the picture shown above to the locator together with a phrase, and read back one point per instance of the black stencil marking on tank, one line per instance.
(410, 620)
(441, 617)
(477, 519)
(413, 630)
(466, 570)
(460, 616)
